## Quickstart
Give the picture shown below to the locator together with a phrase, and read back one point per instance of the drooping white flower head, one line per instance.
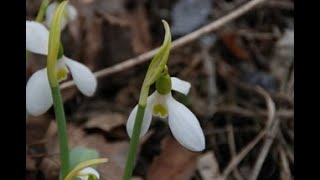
(37, 38)
(183, 123)
(38, 93)
(70, 14)
(84, 173)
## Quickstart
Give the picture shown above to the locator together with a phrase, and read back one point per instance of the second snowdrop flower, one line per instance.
(183, 123)
(38, 94)
(70, 14)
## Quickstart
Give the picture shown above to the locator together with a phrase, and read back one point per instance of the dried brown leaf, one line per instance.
(115, 151)
(230, 41)
(106, 121)
(174, 163)
(208, 166)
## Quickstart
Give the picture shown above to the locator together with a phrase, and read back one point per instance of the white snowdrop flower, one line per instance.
(70, 14)
(183, 123)
(38, 93)
(84, 173)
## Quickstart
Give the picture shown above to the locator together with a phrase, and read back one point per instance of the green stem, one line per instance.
(62, 130)
(42, 10)
(133, 146)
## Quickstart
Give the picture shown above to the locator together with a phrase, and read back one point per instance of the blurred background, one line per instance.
(242, 77)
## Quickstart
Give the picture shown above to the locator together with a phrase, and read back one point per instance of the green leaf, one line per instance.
(81, 154)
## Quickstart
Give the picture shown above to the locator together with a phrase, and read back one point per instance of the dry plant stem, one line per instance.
(249, 113)
(209, 68)
(233, 151)
(237, 159)
(268, 130)
(287, 5)
(264, 151)
(270, 105)
(272, 129)
(175, 44)
(285, 146)
(285, 174)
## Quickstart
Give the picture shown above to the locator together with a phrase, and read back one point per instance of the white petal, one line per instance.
(146, 119)
(185, 126)
(82, 76)
(71, 14)
(88, 170)
(180, 85)
(38, 93)
(37, 38)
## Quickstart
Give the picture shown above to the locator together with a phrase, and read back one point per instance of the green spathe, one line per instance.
(156, 66)
(54, 44)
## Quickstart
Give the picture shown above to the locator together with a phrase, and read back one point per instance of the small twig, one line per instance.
(270, 106)
(248, 113)
(272, 129)
(236, 130)
(284, 164)
(287, 5)
(209, 68)
(237, 159)
(233, 151)
(257, 35)
(265, 149)
(175, 44)
(285, 146)
(113, 19)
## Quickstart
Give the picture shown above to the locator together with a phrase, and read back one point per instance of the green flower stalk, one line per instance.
(183, 124)
(53, 51)
(154, 72)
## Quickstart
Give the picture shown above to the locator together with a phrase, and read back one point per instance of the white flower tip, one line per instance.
(82, 76)
(197, 145)
(37, 37)
(185, 127)
(38, 93)
(84, 173)
(180, 85)
(70, 15)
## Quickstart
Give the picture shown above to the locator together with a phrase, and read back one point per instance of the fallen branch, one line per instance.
(175, 44)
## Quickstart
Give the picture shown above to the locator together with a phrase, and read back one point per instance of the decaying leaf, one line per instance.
(230, 40)
(116, 152)
(106, 121)
(208, 166)
(174, 163)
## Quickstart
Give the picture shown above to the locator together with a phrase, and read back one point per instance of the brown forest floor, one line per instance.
(242, 78)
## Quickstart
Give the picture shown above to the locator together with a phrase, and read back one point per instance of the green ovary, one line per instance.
(62, 74)
(160, 110)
